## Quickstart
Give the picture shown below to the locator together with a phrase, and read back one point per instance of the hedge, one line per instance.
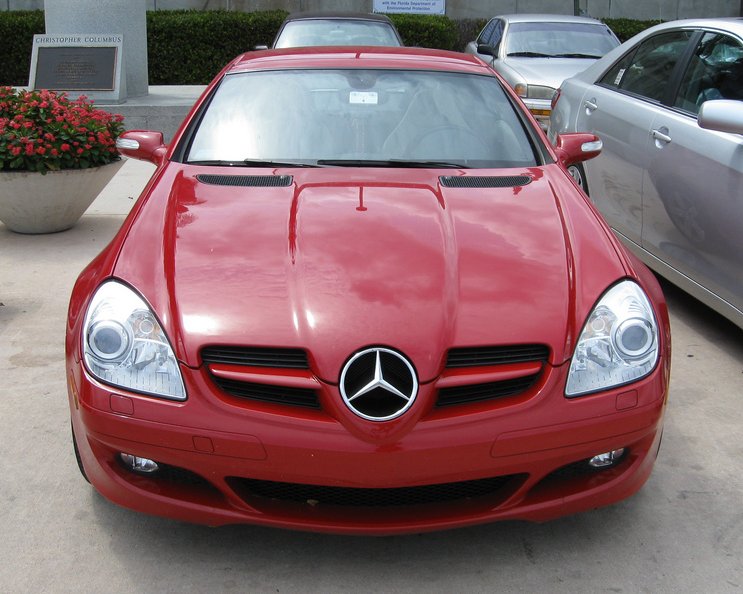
(191, 46)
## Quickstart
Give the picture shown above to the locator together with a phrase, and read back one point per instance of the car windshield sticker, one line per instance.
(363, 97)
(620, 74)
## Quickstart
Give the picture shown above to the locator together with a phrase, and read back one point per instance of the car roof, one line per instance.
(350, 16)
(399, 58)
(546, 18)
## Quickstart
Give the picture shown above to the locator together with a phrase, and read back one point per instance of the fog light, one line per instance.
(606, 459)
(137, 464)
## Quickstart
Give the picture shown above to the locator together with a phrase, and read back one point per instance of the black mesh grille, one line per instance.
(499, 355)
(484, 181)
(256, 357)
(255, 181)
(269, 393)
(356, 497)
(480, 392)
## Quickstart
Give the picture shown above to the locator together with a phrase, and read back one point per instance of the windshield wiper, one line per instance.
(250, 163)
(528, 55)
(576, 55)
(391, 163)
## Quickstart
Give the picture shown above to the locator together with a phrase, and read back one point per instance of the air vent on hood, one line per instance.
(484, 181)
(254, 181)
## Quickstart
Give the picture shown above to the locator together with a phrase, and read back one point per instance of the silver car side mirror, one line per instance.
(723, 115)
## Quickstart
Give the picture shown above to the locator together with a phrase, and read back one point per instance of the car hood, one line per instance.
(339, 259)
(545, 71)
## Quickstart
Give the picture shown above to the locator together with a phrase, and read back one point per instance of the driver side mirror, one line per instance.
(488, 50)
(576, 148)
(144, 145)
(723, 115)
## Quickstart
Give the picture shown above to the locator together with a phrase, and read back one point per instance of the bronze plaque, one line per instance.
(76, 68)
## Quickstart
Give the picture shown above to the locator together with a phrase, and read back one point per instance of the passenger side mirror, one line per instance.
(723, 115)
(576, 148)
(144, 145)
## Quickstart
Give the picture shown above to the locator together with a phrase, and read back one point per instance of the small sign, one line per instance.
(363, 98)
(410, 6)
(87, 64)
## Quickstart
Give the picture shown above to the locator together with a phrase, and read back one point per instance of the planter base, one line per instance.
(34, 203)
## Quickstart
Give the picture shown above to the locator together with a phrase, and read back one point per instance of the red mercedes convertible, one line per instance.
(361, 294)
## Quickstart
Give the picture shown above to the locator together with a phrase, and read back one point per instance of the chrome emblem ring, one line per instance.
(378, 384)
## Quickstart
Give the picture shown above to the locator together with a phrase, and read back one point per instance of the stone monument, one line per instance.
(124, 18)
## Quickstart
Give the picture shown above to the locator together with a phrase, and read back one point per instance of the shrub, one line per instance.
(46, 131)
(17, 30)
(626, 28)
(189, 47)
(418, 30)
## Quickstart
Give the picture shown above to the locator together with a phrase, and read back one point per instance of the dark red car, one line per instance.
(362, 294)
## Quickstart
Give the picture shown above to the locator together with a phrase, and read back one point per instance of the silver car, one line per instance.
(668, 105)
(536, 52)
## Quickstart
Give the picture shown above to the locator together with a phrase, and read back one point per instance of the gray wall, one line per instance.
(459, 9)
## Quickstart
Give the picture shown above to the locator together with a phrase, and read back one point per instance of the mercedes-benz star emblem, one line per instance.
(378, 384)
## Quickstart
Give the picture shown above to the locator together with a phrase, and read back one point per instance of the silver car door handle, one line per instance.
(658, 135)
(591, 104)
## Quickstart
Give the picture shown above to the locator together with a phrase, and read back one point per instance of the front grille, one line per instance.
(484, 181)
(498, 355)
(256, 357)
(268, 393)
(370, 498)
(480, 392)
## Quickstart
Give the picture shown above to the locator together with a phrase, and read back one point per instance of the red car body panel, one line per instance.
(344, 259)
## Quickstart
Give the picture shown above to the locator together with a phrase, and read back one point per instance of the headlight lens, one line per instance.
(124, 344)
(539, 92)
(619, 343)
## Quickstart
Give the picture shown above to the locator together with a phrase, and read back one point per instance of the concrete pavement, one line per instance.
(682, 533)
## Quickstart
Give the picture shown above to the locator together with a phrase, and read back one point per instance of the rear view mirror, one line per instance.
(723, 115)
(576, 148)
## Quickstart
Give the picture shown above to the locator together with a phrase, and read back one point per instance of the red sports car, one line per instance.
(361, 294)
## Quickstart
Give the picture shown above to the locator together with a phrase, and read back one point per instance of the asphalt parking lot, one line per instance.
(682, 533)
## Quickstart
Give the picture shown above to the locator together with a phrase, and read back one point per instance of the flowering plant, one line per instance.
(46, 131)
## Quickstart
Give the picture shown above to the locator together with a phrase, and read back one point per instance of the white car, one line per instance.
(536, 52)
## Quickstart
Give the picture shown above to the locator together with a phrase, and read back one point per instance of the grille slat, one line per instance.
(269, 393)
(481, 392)
(370, 498)
(500, 355)
(256, 357)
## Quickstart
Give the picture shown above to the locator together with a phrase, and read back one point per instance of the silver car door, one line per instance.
(693, 185)
(621, 108)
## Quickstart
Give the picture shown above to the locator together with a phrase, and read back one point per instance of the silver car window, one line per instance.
(715, 71)
(311, 115)
(647, 70)
(314, 32)
(571, 40)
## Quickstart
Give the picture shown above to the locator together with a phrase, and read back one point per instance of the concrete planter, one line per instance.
(35, 203)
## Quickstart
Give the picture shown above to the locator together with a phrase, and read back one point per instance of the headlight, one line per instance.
(539, 92)
(125, 346)
(619, 343)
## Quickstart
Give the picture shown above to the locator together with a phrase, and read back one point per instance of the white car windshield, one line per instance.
(313, 32)
(347, 117)
(559, 40)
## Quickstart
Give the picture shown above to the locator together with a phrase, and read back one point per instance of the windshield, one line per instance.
(337, 117)
(335, 32)
(571, 40)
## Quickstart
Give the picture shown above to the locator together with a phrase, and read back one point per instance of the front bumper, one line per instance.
(228, 462)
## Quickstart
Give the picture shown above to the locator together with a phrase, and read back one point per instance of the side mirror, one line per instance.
(144, 145)
(576, 148)
(487, 50)
(260, 47)
(723, 115)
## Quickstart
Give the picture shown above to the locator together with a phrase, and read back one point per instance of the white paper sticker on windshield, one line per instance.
(620, 74)
(363, 97)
